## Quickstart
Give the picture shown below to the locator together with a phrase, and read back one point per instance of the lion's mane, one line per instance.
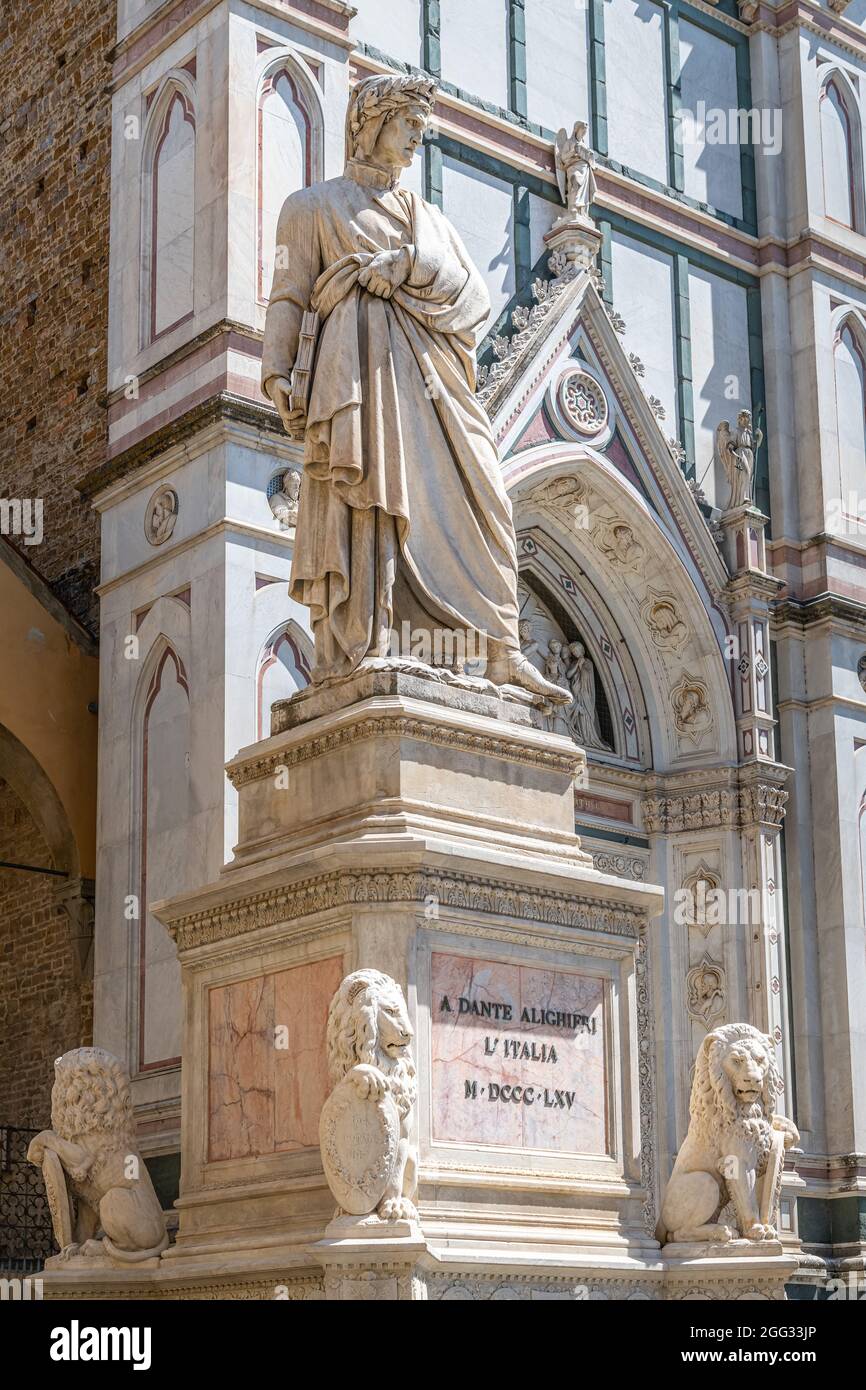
(90, 1095)
(714, 1109)
(353, 1035)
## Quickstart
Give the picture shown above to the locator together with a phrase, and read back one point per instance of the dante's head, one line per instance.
(387, 117)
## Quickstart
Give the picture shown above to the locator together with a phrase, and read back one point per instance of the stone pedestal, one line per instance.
(576, 239)
(422, 828)
(744, 1270)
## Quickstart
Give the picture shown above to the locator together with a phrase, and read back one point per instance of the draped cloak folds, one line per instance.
(403, 514)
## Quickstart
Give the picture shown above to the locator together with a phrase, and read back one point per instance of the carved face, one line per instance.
(400, 137)
(746, 1067)
(393, 1026)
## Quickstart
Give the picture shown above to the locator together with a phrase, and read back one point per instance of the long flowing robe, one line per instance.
(403, 514)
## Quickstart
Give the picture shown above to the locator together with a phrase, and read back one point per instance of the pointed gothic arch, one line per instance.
(841, 150)
(668, 632)
(849, 379)
(284, 666)
(289, 147)
(168, 208)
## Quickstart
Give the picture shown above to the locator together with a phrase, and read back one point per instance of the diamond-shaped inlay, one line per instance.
(528, 546)
(775, 985)
(606, 648)
(567, 584)
(743, 666)
(761, 667)
(628, 720)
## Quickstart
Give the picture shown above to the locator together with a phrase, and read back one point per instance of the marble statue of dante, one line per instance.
(403, 513)
(575, 166)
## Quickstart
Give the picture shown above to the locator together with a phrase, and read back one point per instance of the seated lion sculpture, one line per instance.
(109, 1206)
(367, 1152)
(733, 1153)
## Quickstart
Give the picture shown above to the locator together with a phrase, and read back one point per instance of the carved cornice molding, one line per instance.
(402, 726)
(341, 889)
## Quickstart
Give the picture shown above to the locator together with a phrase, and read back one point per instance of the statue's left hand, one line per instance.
(386, 272)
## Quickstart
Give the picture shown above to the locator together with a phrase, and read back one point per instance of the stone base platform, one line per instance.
(423, 828)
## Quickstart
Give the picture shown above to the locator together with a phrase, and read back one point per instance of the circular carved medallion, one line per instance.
(582, 402)
(161, 515)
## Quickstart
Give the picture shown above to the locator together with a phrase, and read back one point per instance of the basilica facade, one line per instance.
(676, 381)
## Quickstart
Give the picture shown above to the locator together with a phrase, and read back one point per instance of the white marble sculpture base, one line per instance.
(733, 1270)
(426, 830)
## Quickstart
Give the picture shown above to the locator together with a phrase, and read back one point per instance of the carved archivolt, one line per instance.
(667, 628)
(618, 542)
(566, 494)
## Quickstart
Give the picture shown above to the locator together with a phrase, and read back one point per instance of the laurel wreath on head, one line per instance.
(382, 96)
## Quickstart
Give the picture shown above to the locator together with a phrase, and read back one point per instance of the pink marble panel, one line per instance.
(301, 1001)
(268, 1071)
(518, 1056)
(241, 1069)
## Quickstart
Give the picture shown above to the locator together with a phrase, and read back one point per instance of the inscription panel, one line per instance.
(518, 1056)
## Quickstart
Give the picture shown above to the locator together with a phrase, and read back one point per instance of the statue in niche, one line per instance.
(284, 502)
(369, 356)
(736, 450)
(575, 171)
(580, 675)
(102, 1201)
(567, 663)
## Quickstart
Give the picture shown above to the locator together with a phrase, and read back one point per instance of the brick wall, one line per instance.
(43, 1010)
(54, 217)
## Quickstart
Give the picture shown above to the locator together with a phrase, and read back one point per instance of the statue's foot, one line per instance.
(513, 668)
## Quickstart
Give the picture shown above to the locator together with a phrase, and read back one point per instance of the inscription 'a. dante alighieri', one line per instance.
(502, 1012)
(527, 1040)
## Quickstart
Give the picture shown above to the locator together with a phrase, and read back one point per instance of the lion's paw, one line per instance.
(757, 1231)
(397, 1209)
(368, 1082)
(69, 1250)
